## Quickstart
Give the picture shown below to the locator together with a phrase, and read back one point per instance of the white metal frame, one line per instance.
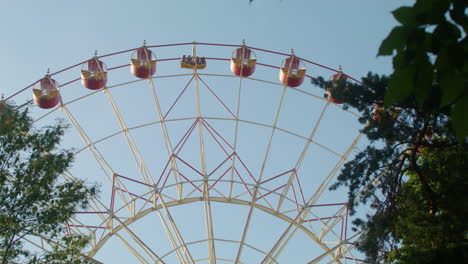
(115, 224)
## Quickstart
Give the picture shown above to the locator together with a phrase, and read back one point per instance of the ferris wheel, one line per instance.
(204, 155)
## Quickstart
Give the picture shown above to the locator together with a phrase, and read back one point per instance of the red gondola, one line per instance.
(143, 63)
(94, 74)
(378, 112)
(333, 100)
(3, 106)
(243, 62)
(45, 93)
(292, 71)
(336, 79)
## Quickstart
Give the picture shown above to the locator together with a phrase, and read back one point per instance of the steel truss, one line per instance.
(182, 182)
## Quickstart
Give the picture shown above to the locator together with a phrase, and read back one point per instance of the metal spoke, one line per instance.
(236, 132)
(130, 141)
(186, 174)
(167, 139)
(155, 258)
(301, 157)
(284, 239)
(172, 230)
(99, 158)
(137, 255)
(254, 198)
(206, 191)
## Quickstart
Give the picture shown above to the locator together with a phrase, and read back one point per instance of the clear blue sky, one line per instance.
(37, 35)
(41, 34)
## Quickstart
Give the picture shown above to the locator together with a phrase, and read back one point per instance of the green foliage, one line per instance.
(33, 199)
(413, 175)
(440, 236)
(430, 46)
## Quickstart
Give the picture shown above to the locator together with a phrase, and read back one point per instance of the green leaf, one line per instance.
(401, 60)
(32, 196)
(405, 15)
(427, 42)
(447, 33)
(457, 13)
(432, 11)
(460, 123)
(423, 79)
(400, 86)
(442, 62)
(395, 40)
(452, 86)
(465, 68)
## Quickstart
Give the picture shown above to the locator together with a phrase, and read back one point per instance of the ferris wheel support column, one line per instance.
(206, 187)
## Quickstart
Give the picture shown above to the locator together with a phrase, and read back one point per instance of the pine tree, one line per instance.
(413, 174)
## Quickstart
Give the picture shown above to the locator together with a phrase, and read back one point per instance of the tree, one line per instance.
(440, 236)
(413, 174)
(34, 201)
(431, 46)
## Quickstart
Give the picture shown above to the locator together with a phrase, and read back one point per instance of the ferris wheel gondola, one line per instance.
(243, 61)
(211, 150)
(94, 74)
(143, 63)
(46, 93)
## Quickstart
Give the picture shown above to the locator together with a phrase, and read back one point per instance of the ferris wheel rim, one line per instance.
(172, 45)
(185, 201)
(110, 87)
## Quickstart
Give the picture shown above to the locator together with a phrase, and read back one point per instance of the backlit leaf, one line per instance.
(405, 15)
(423, 79)
(395, 41)
(459, 118)
(400, 86)
(452, 87)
